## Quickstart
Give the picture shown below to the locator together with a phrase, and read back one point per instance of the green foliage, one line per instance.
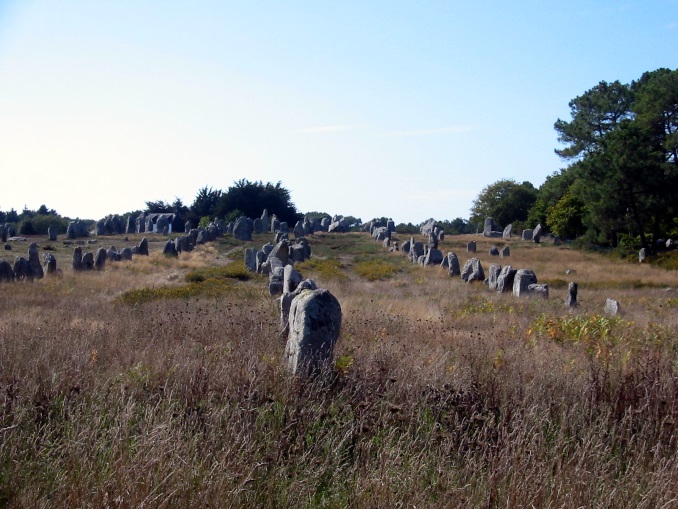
(505, 201)
(597, 332)
(375, 270)
(205, 203)
(564, 218)
(204, 221)
(323, 268)
(234, 270)
(251, 198)
(550, 192)
(39, 223)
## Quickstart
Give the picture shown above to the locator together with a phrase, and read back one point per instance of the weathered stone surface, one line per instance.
(538, 290)
(22, 269)
(143, 247)
(537, 233)
(257, 226)
(522, 280)
(77, 259)
(297, 253)
(340, 226)
(100, 259)
(314, 325)
(642, 255)
(432, 241)
(88, 261)
(286, 302)
(380, 233)
(126, 253)
(390, 224)
(283, 228)
(505, 252)
(52, 233)
(276, 279)
(6, 271)
(50, 264)
(471, 247)
(406, 247)
(427, 228)
(571, 300)
(251, 259)
(416, 251)
(433, 257)
(243, 229)
(494, 251)
(508, 231)
(527, 235)
(493, 276)
(170, 248)
(281, 252)
(490, 229)
(505, 279)
(451, 263)
(34, 261)
(298, 230)
(612, 307)
(291, 279)
(472, 271)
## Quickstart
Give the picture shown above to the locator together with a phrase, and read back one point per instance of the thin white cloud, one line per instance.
(326, 129)
(431, 132)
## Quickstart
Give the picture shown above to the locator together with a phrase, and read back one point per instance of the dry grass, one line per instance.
(445, 394)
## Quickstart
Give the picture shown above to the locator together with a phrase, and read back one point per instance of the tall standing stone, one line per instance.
(34, 261)
(314, 324)
(143, 247)
(495, 270)
(472, 271)
(522, 280)
(52, 233)
(536, 234)
(507, 231)
(77, 259)
(100, 259)
(571, 300)
(505, 279)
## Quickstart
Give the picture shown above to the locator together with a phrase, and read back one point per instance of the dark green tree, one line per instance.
(505, 201)
(251, 198)
(205, 203)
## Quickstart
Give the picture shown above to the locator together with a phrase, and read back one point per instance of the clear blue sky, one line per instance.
(386, 108)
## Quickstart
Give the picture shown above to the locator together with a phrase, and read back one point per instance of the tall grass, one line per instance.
(444, 394)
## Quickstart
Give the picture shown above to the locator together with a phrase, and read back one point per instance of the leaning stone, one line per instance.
(537, 233)
(507, 231)
(538, 290)
(522, 280)
(314, 325)
(143, 247)
(100, 259)
(472, 271)
(495, 270)
(471, 247)
(571, 300)
(612, 307)
(505, 279)
(433, 257)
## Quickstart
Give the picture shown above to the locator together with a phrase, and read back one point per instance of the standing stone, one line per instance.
(130, 226)
(243, 229)
(387, 242)
(505, 252)
(494, 251)
(527, 235)
(3, 233)
(291, 279)
(451, 262)
(432, 241)
(187, 227)
(571, 300)
(276, 278)
(536, 234)
(507, 231)
(143, 247)
(281, 251)
(612, 307)
(170, 248)
(495, 270)
(505, 279)
(50, 264)
(286, 302)
(52, 233)
(471, 247)
(472, 271)
(100, 228)
(265, 221)
(522, 280)
(390, 224)
(100, 259)
(6, 271)
(251, 259)
(22, 269)
(126, 254)
(34, 261)
(642, 255)
(433, 257)
(257, 226)
(298, 230)
(406, 247)
(314, 321)
(490, 229)
(77, 259)
(275, 224)
(71, 230)
(88, 261)
(416, 250)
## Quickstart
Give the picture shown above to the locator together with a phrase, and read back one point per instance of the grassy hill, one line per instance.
(159, 383)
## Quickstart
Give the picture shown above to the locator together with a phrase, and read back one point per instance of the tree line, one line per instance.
(621, 184)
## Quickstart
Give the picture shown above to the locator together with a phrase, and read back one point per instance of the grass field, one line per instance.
(160, 383)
